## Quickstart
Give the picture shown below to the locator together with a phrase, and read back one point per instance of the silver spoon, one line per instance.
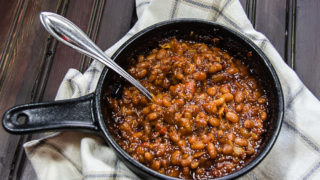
(68, 33)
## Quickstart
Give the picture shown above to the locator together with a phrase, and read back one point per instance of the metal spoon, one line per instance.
(68, 33)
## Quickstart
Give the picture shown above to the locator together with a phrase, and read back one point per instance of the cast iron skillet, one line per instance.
(90, 112)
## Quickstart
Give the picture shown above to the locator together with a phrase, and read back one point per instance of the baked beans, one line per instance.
(207, 116)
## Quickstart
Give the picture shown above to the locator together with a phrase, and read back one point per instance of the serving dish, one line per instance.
(86, 112)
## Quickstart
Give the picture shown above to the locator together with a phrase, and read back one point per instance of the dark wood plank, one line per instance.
(120, 22)
(21, 65)
(97, 26)
(114, 23)
(65, 57)
(7, 22)
(307, 43)
(270, 19)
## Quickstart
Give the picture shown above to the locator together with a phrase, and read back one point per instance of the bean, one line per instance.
(198, 145)
(200, 122)
(212, 150)
(210, 108)
(219, 101)
(140, 150)
(227, 149)
(233, 117)
(179, 102)
(262, 100)
(252, 83)
(152, 77)
(203, 48)
(238, 151)
(179, 50)
(174, 172)
(232, 70)
(152, 116)
(166, 102)
(192, 139)
(174, 136)
(161, 149)
(198, 154)
(146, 110)
(199, 76)
(184, 122)
(263, 115)
(244, 132)
(156, 165)
(212, 91)
(228, 97)
(241, 141)
(161, 54)
(164, 163)
(190, 87)
(250, 150)
(231, 136)
(239, 97)
(194, 164)
(255, 95)
(200, 171)
(215, 122)
(239, 107)
(151, 57)
(259, 123)
(186, 162)
(248, 124)
(187, 115)
(148, 156)
(143, 65)
(179, 75)
(147, 128)
(176, 157)
(226, 55)
(197, 59)
(218, 78)
(182, 143)
(190, 69)
(215, 67)
(225, 89)
(255, 136)
(137, 134)
(246, 108)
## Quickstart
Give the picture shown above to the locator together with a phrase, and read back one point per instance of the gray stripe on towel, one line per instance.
(296, 131)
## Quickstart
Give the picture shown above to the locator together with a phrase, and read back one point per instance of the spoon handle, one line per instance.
(68, 33)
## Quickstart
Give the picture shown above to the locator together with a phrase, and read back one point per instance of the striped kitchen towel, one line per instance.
(296, 154)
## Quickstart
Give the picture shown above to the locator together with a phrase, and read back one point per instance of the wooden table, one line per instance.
(33, 64)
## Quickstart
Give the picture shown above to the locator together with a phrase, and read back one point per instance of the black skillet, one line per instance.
(90, 112)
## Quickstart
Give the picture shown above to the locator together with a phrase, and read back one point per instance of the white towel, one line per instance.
(296, 154)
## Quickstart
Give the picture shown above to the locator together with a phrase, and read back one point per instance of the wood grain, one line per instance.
(307, 44)
(97, 30)
(270, 19)
(21, 63)
(7, 23)
(114, 23)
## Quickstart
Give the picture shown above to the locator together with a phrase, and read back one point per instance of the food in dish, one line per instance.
(207, 118)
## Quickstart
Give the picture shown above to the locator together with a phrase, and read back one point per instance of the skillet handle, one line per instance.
(66, 114)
